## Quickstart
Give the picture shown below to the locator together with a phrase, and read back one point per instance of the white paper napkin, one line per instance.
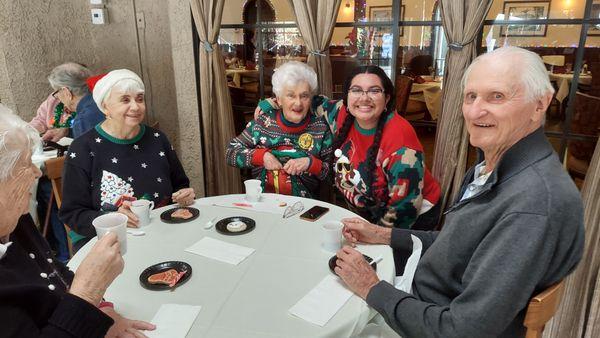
(173, 321)
(221, 251)
(322, 302)
(268, 203)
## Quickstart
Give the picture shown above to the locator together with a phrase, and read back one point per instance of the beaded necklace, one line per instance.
(59, 111)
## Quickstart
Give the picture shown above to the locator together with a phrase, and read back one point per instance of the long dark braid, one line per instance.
(342, 134)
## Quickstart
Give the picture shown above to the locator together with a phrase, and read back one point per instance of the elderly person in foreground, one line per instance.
(288, 149)
(120, 160)
(516, 228)
(39, 296)
(70, 88)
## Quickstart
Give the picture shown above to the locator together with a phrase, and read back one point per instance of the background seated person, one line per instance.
(516, 229)
(379, 164)
(52, 120)
(69, 83)
(39, 296)
(120, 160)
(288, 149)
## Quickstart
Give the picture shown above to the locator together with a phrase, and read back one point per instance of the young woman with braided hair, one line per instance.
(379, 163)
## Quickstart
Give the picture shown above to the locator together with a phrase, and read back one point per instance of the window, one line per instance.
(406, 37)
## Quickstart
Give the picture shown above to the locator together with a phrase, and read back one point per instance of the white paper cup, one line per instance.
(141, 208)
(253, 190)
(331, 236)
(112, 222)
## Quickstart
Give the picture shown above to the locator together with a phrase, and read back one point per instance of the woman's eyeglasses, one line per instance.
(293, 209)
(55, 93)
(373, 93)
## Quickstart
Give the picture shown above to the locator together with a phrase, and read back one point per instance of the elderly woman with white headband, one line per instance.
(120, 160)
(39, 296)
(288, 149)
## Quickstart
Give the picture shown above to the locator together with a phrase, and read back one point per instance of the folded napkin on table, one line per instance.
(322, 302)
(173, 321)
(221, 251)
(269, 204)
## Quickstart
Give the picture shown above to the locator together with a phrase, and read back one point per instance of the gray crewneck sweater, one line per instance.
(520, 234)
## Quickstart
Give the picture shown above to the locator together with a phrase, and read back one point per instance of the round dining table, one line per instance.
(250, 299)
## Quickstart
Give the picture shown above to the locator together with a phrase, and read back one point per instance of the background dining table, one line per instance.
(429, 92)
(563, 82)
(250, 299)
(238, 74)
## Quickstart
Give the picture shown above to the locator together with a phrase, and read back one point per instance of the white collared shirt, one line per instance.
(475, 186)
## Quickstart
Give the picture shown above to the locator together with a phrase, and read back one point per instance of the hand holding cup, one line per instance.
(98, 270)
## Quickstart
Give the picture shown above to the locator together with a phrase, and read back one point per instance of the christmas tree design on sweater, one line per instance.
(114, 190)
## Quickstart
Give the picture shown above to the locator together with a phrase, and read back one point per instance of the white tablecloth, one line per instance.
(251, 299)
(563, 81)
(431, 94)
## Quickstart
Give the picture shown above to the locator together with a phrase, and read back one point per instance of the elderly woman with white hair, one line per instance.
(120, 160)
(70, 87)
(288, 149)
(39, 296)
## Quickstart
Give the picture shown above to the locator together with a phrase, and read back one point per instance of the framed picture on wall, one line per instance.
(520, 10)
(384, 13)
(594, 30)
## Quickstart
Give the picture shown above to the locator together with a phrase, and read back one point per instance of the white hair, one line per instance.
(16, 137)
(127, 86)
(291, 74)
(531, 70)
(71, 75)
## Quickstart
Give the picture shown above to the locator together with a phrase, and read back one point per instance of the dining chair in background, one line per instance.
(586, 121)
(54, 169)
(541, 308)
(403, 87)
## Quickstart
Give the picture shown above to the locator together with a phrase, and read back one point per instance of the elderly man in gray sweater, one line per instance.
(516, 228)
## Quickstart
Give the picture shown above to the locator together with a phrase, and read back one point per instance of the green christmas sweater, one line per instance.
(402, 187)
(271, 132)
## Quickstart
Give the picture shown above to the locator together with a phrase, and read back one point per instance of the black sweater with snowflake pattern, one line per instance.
(101, 172)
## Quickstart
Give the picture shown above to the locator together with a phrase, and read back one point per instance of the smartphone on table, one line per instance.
(314, 213)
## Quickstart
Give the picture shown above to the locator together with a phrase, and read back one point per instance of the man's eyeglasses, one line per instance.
(293, 209)
(373, 93)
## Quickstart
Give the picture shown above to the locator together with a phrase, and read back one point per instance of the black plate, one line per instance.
(332, 263)
(221, 225)
(167, 218)
(160, 267)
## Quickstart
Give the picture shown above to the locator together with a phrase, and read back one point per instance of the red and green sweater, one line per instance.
(402, 187)
(271, 132)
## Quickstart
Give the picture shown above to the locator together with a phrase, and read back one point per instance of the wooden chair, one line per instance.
(541, 308)
(54, 169)
(403, 87)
